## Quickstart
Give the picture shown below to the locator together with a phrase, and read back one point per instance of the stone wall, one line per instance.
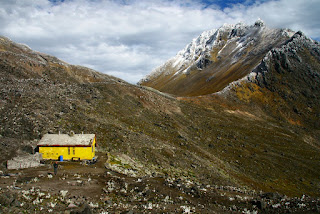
(26, 161)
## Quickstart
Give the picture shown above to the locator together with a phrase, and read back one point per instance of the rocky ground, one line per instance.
(81, 188)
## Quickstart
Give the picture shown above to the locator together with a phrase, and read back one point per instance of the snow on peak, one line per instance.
(202, 45)
(192, 51)
(198, 51)
(259, 23)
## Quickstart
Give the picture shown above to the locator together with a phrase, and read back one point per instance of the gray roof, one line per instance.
(67, 140)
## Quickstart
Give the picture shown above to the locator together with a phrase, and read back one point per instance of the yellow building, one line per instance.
(68, 147)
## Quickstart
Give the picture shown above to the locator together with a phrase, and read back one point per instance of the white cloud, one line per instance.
(130, 38)
(296, 15)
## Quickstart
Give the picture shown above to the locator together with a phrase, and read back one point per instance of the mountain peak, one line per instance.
(215, 58)
(259, 23)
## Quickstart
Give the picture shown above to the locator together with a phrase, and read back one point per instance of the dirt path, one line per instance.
(76, 178)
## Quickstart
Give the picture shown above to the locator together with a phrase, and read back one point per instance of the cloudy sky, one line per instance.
(129, 38)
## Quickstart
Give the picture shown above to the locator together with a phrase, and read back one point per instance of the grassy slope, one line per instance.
(289, 93)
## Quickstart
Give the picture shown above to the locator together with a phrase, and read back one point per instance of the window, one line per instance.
(68, 150)
(74, 150)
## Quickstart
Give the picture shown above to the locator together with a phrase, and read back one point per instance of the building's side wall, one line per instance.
(83, 153)
(68, 153)
(53, 152)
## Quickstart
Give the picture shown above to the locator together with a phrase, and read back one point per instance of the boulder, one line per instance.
(84, 209)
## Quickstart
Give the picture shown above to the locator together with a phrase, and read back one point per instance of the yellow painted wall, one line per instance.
(86, 153)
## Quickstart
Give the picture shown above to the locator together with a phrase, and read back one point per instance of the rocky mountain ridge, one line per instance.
(290, 75)
(216, 58)
(37, 64)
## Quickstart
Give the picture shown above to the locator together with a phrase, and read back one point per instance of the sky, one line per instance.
(129, 38)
